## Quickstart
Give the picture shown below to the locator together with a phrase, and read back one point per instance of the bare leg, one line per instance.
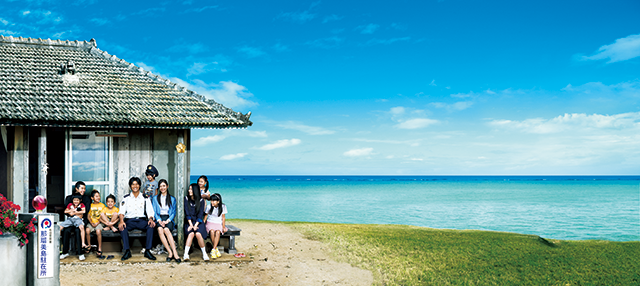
(215, 239)
(200, 239)
(99, 236)
(82, 235)
(169, 235)
(164, 240)
(88, 235)
(189, 240)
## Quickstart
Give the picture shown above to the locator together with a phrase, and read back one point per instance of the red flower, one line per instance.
(24, 235)
(0, 232)
(26, 241)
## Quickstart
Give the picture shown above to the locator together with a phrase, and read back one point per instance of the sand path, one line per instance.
(280, 256)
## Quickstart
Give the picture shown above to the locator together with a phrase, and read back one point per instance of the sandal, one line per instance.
(86, 249)
(110, 257)
(239, 255)
(99, 253)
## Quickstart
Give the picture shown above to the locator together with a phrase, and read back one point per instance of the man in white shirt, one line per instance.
(136, 212)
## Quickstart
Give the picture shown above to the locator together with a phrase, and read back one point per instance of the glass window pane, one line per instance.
(90, 157)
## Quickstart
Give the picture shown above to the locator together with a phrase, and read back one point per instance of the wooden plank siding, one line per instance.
(142, 147)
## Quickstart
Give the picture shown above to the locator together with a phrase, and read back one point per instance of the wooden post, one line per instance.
(180, 190)
(42, 163)
(20, 169)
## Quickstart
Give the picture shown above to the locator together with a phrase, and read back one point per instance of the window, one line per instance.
(89, 159)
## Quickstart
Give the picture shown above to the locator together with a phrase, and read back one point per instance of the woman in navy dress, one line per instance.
(194, 220)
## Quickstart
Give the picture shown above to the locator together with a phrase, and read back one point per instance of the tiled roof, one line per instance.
(104, 91)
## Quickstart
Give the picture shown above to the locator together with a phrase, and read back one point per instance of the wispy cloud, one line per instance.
(416, 123)
(311, 130)
(233, 156)
(367, 29)
(45, 17)
(621, 50)
(331, 18)
(412, 143)
(457, 106)
(281, 144)
(433, 83)
(219, 63)
(227, 93)
(100, 21)
(201, 9)
(204, 141)
(4, 22)
(398, 26)
(326, 43)
(149, 11)
(572, 122)
(251, 52)
(278, 47)
(358, 152)
(386, 41)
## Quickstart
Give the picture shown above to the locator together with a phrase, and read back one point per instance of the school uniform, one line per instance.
(137, 211)
(194, 216)
(163, 211)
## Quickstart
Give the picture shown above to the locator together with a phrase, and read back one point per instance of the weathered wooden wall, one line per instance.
(143, 147)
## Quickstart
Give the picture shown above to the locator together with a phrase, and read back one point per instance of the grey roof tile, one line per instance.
(105, 91)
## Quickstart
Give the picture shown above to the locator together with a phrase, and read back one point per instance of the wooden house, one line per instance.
(70, 111)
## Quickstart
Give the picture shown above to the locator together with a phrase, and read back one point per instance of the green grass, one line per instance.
(408, 255)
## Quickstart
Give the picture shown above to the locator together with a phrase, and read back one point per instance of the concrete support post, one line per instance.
(180, 191)
(42, 163)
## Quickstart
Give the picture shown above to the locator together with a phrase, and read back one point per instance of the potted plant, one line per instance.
(10, 225)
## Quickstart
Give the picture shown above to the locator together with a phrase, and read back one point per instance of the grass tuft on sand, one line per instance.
(409, 255)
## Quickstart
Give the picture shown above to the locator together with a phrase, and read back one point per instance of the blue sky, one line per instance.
(384, 87)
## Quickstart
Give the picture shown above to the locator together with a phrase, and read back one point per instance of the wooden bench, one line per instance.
(227, 239)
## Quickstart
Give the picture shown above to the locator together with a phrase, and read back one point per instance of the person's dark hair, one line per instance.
(195, 189)
(94, 192)
(79, 183)
(167, 200)
(136, 179)
(216, 197)
(111, 197)
(206, 183)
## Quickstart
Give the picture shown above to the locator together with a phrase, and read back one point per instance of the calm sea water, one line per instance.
(559, 207)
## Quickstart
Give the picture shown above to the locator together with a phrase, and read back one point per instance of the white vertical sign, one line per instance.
(45, 246)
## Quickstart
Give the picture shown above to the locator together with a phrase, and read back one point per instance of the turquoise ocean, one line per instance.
(557, 207)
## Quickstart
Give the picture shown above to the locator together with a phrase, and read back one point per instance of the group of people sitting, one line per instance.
(149, 208)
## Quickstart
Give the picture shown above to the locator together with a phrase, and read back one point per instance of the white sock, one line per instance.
(186, 249)
(204, 251)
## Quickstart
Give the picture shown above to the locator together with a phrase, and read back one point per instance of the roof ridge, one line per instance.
(48, 42)
(161, 80)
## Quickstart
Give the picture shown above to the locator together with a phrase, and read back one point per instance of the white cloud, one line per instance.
(330, 18)
(297, 17)
(100, 21)
(4, 22)
(203, 141)
(233, 156)
(460, 105)
(311, 130)
(278, 47)
(572, 122)
(358, 152)
(367, 29)
(621, 50)
(386, 41)
(227, 93)
(433, 83)
(397, 26)
(397, 110)
(251, 52)
(281, 144)
(416, 123)
(325, 43)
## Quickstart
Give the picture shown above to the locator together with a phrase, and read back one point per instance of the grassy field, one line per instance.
(408, 255)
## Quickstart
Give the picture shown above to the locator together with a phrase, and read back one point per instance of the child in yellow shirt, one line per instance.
(94, 220)
(109, 217)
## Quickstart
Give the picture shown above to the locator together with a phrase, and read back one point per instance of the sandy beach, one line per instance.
(276, 255)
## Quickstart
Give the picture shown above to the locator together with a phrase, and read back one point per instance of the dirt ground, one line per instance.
(276, 255)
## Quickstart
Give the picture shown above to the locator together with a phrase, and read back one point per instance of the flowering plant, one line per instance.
(10, 224)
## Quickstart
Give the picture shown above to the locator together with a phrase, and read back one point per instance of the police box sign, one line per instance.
(45, 246)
